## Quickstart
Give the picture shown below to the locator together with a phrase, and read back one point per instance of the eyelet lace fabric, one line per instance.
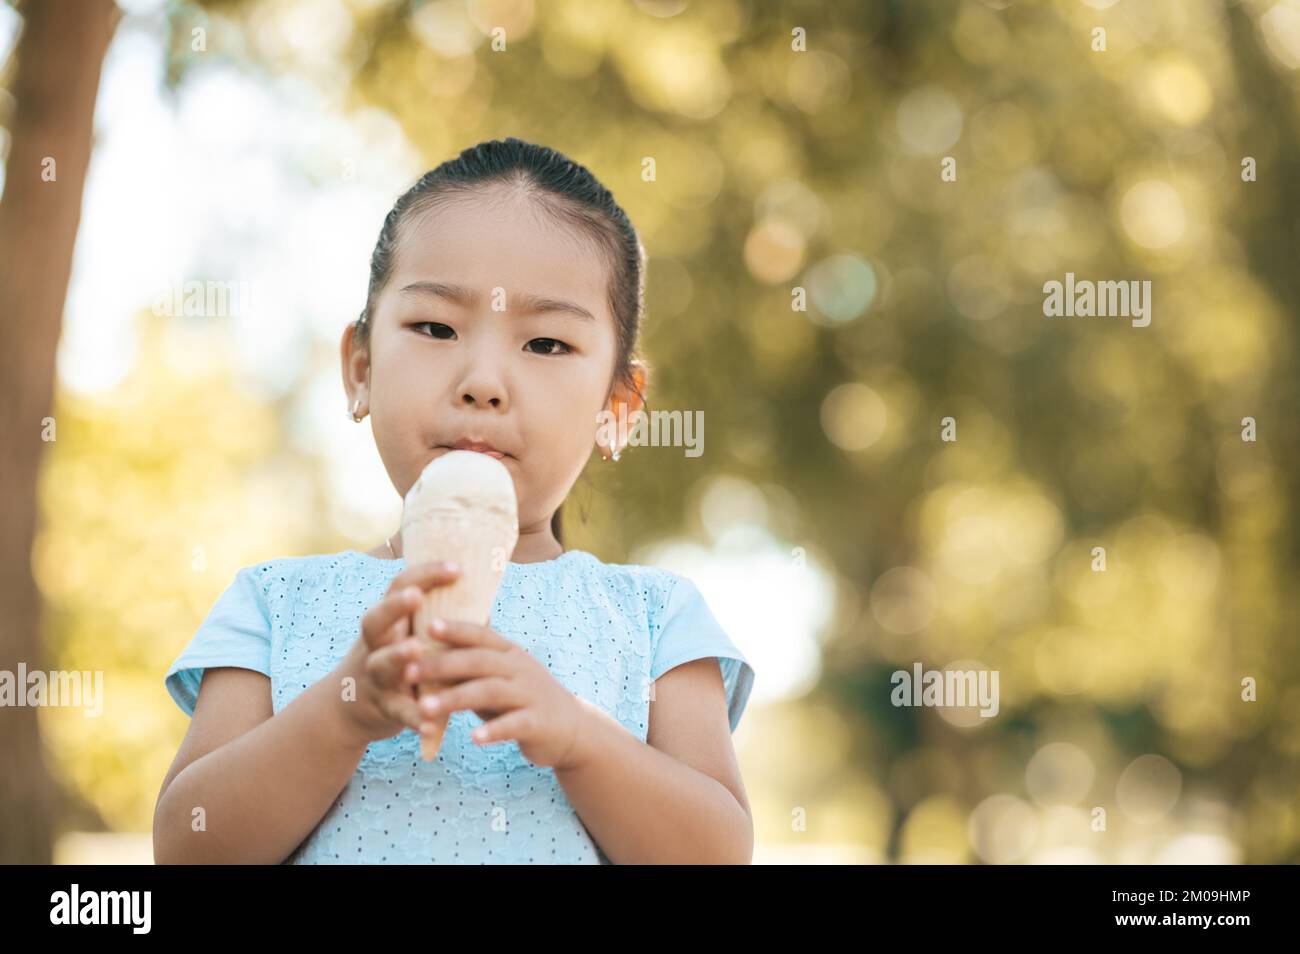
(595, 626)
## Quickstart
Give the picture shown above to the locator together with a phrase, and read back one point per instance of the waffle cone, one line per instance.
(462, 510)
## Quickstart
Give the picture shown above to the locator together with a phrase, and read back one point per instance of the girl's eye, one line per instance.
(548, 343)
(434, 324)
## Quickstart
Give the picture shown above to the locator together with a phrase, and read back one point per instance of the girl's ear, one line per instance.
(631, 395)
(356, 366)
(629, 398)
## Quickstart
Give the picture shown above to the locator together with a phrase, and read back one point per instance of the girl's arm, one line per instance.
(676, 798)
(263, 782)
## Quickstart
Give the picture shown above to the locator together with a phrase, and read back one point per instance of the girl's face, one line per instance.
(493, 327)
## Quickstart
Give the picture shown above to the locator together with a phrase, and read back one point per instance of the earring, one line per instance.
(353, 413)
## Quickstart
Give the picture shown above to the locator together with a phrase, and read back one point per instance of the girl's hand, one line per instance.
(382, 702)
(515, 695)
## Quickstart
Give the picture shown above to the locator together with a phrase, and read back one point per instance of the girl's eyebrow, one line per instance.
(528, 304)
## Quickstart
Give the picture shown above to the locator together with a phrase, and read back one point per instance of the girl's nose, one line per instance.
(482, 374)
(471, 400)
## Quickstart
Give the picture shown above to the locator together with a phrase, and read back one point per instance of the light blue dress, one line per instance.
(605, 631)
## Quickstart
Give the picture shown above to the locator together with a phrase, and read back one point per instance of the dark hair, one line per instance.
(564, 190)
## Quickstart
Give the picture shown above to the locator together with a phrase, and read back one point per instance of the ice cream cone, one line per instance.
(462, 508)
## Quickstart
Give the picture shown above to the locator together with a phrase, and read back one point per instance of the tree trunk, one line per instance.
(60, 54)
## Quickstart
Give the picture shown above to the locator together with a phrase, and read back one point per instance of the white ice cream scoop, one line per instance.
(462, 508)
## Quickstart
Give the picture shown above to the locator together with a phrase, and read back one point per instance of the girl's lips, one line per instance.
(477, 448)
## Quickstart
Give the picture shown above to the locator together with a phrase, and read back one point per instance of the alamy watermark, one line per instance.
(656, 429)
(1089, 299)
(75, 906)
(204, 299)
(84, 689)
(952, 688)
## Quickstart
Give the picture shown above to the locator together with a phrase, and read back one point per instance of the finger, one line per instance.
(467, 635)
(400, 630)
(379, 622)
(457, 665)
(401, 707)
(391, 621)
(385, 665)
(493, 692)
(519, 724)
(426, 576)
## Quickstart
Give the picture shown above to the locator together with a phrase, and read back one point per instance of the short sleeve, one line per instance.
(687, 630)
(236, 632)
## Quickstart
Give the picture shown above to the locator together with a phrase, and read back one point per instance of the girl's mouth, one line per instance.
(482, 447)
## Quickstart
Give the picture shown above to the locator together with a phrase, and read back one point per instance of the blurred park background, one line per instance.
(835, 534)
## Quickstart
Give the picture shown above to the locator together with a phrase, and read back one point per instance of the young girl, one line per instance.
(590, 721)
